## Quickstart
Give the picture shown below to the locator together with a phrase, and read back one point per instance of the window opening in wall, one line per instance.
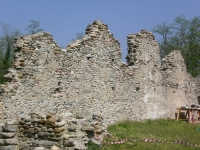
(131, 63)
(57, 90)
(112, 60)
(88, 58)
(137, 88)
(113, 88)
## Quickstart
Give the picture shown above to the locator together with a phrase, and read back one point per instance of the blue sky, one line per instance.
(64, 18)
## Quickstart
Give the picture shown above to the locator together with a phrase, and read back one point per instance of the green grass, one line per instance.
(167, 130)
(149, 146)
(92, 146)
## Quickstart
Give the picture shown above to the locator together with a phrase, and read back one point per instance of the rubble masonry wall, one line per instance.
(89, 78)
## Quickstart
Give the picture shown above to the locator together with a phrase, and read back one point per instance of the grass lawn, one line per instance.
(167, 130)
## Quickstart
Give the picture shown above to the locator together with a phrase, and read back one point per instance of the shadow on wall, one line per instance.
(198, 99)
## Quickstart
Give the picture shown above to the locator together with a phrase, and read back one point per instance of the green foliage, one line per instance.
(6, 48)
(149, 146)
(183, 35)
(7, 36)
(34, 27)
(92, 146)
(165, 129)
(164, 31)
(78, 36)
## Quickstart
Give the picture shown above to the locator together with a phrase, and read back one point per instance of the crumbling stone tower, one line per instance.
(178, 85)
(144, 60)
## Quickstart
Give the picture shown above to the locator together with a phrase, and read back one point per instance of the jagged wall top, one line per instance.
(137, 43)
(95, 31)
(35, 40)
(88, 77)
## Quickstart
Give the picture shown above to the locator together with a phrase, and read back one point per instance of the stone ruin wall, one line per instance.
(47, 132)
(179, 85)
(144, 62)
(88, 78)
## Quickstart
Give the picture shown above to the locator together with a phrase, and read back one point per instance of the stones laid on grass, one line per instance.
(51, 132)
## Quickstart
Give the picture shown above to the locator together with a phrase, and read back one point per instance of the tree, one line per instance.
(6, 48)
(183, 35)
(164, 31)
(78, 36)
(34, 27)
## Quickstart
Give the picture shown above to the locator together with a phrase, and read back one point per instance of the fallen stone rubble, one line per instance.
(37, 132)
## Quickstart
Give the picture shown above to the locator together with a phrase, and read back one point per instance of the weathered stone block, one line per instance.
(7, 134)
(42, 121)
(49, 116)
(24, 146)
(68, 143)
(24, 139)
(9, 122)
(2, 90)
(52, 134)
(27, 119)
(50, 130)
(10, 147)
(46, 133)
(51, 121)
(31, 130)
(21, 122)
(10, 128)
(79, 144)
(80, 121)
(1, 142)
(1, 125)
(38, 148)
(66, 136)
(87, 128)
(40, 133)
(36, 136)
(98, 131)
(11, 141)
(99, 143)
(38, 129)
(57, 130)
(45, 143)
(71, 128)
(59, 124)
(29, 135)
(35, 68)
(25, 126)
(44, 129)
(59, 134)
(55, 148)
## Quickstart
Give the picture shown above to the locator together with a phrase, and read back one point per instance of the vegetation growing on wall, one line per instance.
(7, 35)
